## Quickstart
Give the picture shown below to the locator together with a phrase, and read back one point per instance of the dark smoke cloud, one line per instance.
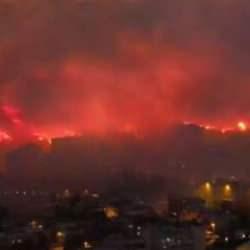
(102, 64)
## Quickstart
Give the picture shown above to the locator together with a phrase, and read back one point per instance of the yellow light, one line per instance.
(59, 234)
(213, 225)
(242, 126)
(111, 212)
(227, 188)
(208, 186)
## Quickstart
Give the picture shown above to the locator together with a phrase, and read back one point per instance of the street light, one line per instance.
(208, 186)
(228, 188)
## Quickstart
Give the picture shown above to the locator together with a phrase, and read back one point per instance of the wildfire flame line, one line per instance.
(21, 126)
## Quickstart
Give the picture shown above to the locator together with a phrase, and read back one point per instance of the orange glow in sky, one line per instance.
(5, 137)
(242, 126)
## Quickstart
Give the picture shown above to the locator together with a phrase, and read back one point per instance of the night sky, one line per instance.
(93, 66)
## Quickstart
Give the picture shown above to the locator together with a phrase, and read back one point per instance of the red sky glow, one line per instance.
(93, 67)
